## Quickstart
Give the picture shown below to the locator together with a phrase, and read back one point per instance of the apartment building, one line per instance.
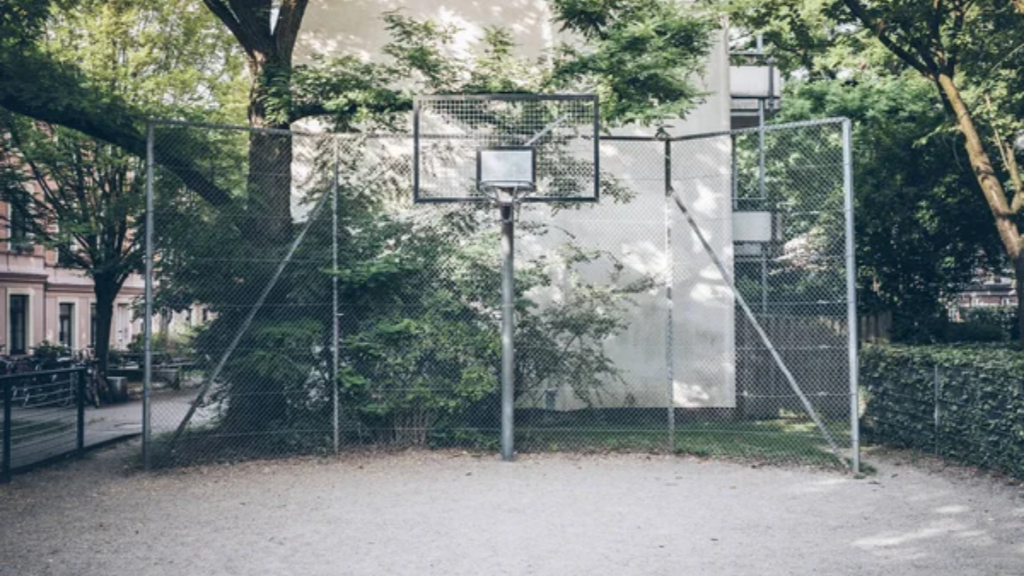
(45, 301)
(989, 291)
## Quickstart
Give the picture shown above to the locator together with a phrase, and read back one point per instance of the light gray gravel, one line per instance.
(445, 513)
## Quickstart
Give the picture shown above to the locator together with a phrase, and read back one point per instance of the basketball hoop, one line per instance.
(544, 147)
(506, 173)
(505, 193)
(527, 148)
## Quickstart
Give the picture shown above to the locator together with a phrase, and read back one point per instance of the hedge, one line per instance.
(962, 402)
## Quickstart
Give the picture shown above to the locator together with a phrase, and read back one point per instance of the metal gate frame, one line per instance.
(672, 200)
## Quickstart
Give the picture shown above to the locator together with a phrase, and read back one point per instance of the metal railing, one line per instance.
(43, 418)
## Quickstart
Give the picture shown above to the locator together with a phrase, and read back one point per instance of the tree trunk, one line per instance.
(105, 289)
(1019, 278)
(270, 157)
(991, 187)
(258, 403)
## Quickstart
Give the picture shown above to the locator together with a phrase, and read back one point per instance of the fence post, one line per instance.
(508, 328)
(79, 384)
(851, 298)
(936, 391)
(147, 368)
(669, 277)
(5, 466)
(336, 336)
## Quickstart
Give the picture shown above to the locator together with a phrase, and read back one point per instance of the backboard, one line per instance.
(467, 146)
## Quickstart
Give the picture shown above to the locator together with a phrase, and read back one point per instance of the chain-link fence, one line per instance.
(305, 305)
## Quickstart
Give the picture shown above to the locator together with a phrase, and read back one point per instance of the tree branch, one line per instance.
(1006, 154)
(286, 30)
(935, 23)
(226, 15)
(959, 15)
(879, 28)
(47, 91)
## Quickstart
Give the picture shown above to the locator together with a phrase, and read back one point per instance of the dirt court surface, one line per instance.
(446, 513)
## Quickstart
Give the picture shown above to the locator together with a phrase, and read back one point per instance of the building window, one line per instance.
(19, 229)
(63, 260)
(206, 315)
(18, 323)
(92, 325)
(124, 326)
(66, 326)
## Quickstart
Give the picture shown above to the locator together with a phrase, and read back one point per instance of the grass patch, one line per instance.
(779, 440)
(783, 440)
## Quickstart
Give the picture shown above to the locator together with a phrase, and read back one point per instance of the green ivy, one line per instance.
(963, 402)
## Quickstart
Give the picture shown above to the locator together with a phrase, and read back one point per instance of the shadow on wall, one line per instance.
(355, 26)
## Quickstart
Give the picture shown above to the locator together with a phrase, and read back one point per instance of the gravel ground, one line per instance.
(447, 513)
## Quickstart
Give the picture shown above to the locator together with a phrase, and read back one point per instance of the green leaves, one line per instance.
(88, 195)
(640, 56)
(976, 392)
(921, 233)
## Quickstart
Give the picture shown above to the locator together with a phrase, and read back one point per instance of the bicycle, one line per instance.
(95, 388)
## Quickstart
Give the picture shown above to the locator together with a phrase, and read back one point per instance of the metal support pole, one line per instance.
(735, 173)
(727, 278)
(507, 333)
(670, 323)
(937, 393)
(764, 279)
(760, 148)
(851, 298)
(147, 370)
(78, 382)
(760, 125)
(5, 464)
(336, 339)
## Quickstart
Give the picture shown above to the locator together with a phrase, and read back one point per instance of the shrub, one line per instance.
(964, 402)
(998, 323)
(164, 346)
(47, 353)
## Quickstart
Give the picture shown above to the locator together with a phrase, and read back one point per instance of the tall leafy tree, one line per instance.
(80, 198)
(83, 197)
(966, 54)
(966, 48)
(921, 234)
(44, 79)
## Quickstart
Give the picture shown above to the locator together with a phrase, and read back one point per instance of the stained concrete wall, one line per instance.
(702, 330)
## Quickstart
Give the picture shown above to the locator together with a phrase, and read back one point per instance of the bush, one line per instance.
(164, 346)
(998, 324)
(978, 391)
(978, 325)
(974, 331)
(48, 353)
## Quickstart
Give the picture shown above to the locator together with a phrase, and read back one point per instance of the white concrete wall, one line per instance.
(702, 321)
(356, 27)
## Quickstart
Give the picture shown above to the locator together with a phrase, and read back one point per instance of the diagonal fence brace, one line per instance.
(248, 321)
(757, 328)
